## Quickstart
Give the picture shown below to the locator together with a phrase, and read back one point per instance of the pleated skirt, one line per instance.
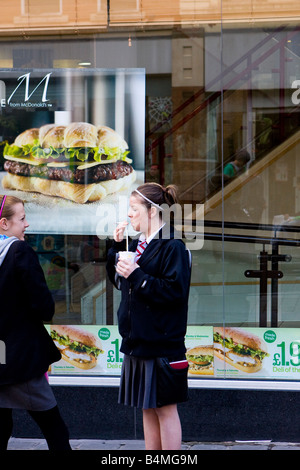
(138, 382)
(34, 395)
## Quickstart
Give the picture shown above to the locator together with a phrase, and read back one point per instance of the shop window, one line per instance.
(32, 58)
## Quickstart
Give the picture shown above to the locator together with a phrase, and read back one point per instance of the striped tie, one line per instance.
(140, 249)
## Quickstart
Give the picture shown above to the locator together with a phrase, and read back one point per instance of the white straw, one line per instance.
(126, 232)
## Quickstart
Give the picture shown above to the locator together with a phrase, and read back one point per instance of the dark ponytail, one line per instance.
(170, 193)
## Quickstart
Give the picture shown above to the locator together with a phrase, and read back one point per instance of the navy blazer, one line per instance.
(25, 303)
(152, 316)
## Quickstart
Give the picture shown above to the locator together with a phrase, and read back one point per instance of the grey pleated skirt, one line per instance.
(138, 382)
(34, 395)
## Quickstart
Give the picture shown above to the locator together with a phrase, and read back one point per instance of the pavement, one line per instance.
(133, 445)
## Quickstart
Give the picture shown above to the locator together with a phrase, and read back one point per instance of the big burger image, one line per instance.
(80, 162)
(77, 346)
(201, 360)
(241, 349)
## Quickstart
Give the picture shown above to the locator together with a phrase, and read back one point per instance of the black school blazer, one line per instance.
(152, 316)
(25, 302)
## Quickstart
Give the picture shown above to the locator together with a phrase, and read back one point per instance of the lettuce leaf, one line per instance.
(203, 358)
(81, 154)
(64, 340)
(240, 348)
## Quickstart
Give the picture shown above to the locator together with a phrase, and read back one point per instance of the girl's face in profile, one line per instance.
(138, 214)
(17, 224)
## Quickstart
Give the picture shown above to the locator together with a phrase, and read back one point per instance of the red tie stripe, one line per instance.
(140, 249)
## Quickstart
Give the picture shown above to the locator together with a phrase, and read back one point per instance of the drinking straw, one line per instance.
(126, 234)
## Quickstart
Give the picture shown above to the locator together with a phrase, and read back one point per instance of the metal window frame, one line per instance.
(225, 384)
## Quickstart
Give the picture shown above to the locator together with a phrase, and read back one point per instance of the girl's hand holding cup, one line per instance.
(126, 264)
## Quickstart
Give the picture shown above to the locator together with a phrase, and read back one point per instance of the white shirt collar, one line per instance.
(153, 235)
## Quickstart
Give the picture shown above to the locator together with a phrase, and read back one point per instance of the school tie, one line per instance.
(140, 249)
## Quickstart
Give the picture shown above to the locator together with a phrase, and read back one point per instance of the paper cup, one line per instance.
(130, 255)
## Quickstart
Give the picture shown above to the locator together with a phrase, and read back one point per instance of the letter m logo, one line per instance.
(26, 78)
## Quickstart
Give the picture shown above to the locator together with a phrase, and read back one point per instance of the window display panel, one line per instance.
(74, 267)
(257, 205)
(71, 143)
(186, 117)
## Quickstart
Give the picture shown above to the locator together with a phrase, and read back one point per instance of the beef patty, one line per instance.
(71, 173)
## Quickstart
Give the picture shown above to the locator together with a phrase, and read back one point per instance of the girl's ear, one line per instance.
(153, 212)
(3, 224)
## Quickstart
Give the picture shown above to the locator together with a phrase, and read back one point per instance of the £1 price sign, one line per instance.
(285, 352)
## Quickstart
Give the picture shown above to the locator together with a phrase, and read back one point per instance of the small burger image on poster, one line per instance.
(78, 347)
(240, 349)
(201, 360)
(80, 162)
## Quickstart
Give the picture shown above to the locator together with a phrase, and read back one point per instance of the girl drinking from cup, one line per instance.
(152, 315)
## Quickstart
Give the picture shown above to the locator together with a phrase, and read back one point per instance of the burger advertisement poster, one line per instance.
(86, 350)
(251, 353)
(72, 141)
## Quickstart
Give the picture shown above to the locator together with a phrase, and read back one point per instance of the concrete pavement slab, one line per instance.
(126, 445)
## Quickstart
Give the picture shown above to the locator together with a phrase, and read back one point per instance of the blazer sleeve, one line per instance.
(38, 297)
(172, 283)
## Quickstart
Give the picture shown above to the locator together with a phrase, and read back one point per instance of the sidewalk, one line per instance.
(124, 445)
